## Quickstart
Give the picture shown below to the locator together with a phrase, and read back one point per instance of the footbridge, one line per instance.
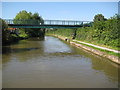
(45, 24)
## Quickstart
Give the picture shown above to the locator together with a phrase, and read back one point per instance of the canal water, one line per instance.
(52, 63)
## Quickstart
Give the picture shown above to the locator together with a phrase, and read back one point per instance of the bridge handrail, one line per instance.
(46, 22)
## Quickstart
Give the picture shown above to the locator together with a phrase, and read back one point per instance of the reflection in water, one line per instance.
(53, 63)
(16, 50)
(6, 50)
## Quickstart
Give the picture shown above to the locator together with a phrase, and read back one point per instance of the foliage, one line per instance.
(63, 32)
(22, 34)
(99, 17)
(4, 25)
(88, 24)
(36, 16)
(4, 30)
(24, 17)
(7, 37)
(103, 32)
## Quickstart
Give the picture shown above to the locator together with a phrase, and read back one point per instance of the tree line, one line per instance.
(101, 31)
(22, 17)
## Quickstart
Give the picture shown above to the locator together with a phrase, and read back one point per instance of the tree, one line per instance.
(112, 30)
(24, 17)
(99, 17)
(36, 16)
(5, 33)
(37, 20)
(3, 23)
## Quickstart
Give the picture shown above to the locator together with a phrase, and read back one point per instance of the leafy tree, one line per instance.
(99, 25)
(98, 20)
(4, 30)
(88, 24)
(24, 17)
(3, 23)
(103, 32)
(37, 18)
(99, 17)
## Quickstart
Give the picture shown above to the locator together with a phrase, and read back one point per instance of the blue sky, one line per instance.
(83, 11)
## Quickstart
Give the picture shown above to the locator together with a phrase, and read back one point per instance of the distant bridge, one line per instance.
(45, 23)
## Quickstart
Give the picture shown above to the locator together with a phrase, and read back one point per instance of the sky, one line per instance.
(82, 11)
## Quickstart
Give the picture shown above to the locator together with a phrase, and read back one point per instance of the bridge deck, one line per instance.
(45, 23)
(43, 26)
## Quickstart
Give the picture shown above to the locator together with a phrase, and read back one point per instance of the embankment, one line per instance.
(112, 58)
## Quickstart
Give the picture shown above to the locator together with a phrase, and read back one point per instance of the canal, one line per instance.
(52, 63)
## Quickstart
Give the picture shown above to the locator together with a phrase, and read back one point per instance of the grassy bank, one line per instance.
(112, 56)
(87, 35)
(106, 51)
(102, 32)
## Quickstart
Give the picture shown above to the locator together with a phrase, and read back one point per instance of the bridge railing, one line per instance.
(45, 22)
(62, 22)
(25, 22)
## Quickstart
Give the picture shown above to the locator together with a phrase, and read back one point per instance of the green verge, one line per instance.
(99, 44)
(106, 51)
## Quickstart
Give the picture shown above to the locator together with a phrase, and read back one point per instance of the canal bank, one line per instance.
(101, 51)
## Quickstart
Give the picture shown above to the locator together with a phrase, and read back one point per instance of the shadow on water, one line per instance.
(36, 39)
(10, 49)
(7, 50)
(24, 49)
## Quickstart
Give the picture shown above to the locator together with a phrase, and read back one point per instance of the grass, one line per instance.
(106, 51)
(99, 44)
